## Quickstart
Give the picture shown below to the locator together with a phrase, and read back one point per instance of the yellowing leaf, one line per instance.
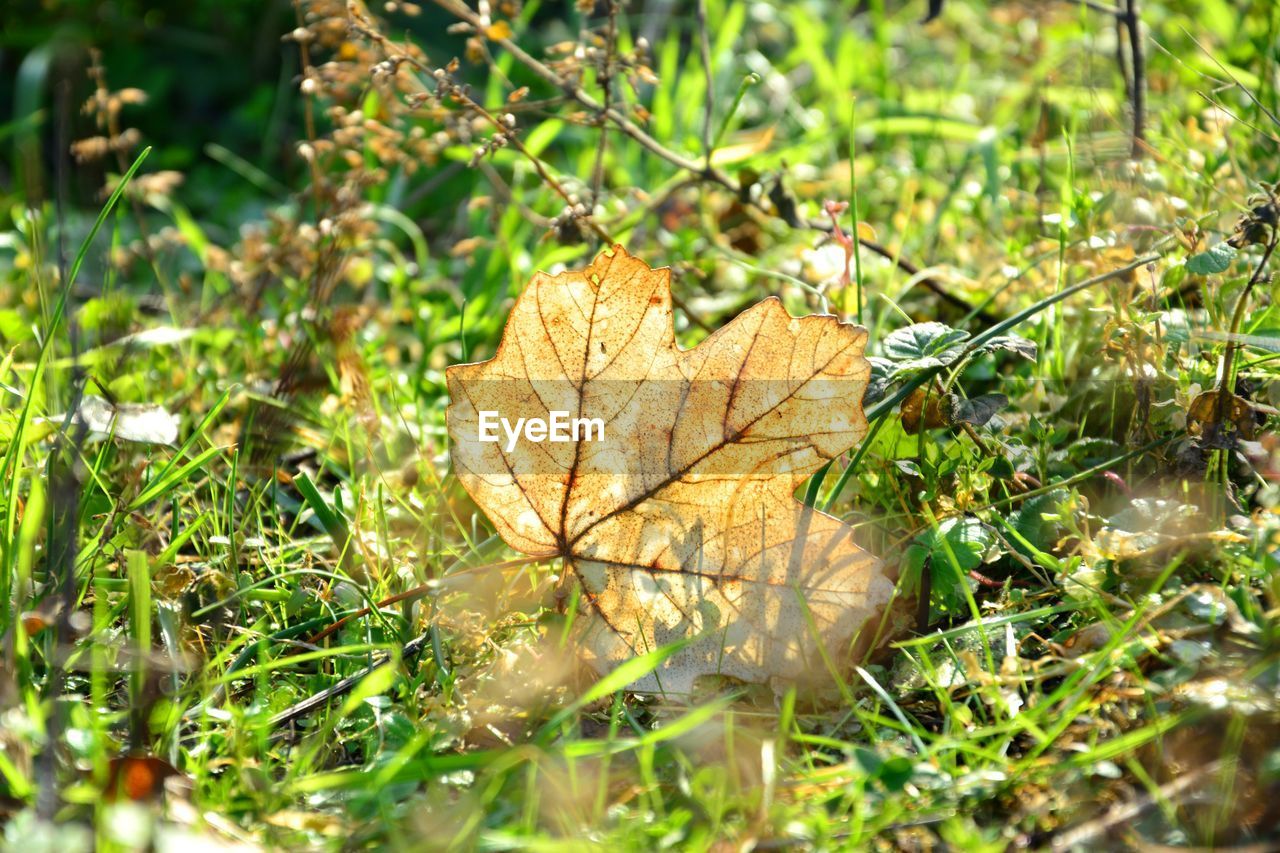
(680, 521)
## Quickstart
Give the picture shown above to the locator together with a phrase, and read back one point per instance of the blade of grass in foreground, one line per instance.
(625, 674)
(9, 468)
(168, 478)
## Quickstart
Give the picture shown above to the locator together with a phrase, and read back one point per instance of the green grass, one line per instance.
(1096, 663)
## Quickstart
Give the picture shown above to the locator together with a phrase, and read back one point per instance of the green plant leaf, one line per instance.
(1215, 259)
(966, 539)
(1011, 343)
(977, 410)
(950, 550)
(924, 340)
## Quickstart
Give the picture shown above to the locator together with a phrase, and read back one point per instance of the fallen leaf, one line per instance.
(680, 523)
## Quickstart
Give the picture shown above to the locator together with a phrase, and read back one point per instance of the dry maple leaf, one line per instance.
(680, 522)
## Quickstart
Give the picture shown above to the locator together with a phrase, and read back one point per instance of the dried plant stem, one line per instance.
(1227, 369)
(589, 221)
(309, 113)
(1133, 68)
(505, 194)
(98, 74)
(1122, 59)
(606, 86)
(1138, 88)
(704, 171)
(577, 93)
(400, 55)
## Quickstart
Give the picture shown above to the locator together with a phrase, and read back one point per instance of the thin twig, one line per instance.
(506, 196)
(1090, 832)
(1100, 7)
(1244, 90)
(1122, 60)
(577, 93)
(704, 41)
(932, 284)
(343, 687)
(606, 87)
(1227, 371)
(308, 113)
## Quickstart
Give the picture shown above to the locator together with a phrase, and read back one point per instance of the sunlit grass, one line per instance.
(1095, 663)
